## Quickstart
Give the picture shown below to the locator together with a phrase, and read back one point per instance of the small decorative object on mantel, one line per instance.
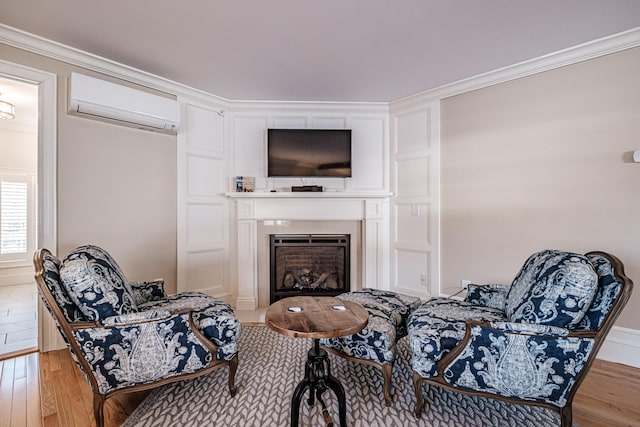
(245, 184)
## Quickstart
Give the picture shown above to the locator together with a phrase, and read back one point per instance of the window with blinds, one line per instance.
(17, 216)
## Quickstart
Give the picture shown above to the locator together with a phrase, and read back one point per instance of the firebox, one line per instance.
(309, 264)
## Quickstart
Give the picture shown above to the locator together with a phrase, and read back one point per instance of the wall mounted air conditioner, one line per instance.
(102, 100)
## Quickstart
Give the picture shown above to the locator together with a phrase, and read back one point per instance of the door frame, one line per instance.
(48, 337)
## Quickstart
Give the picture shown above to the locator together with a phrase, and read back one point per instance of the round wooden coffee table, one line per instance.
(317, 317)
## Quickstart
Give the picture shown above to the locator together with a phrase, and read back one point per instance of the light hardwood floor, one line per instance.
(18, 319)
(49, 390)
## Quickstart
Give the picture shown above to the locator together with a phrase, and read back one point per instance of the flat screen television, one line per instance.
(309, 153)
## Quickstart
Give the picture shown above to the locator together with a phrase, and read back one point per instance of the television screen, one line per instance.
(309, 152)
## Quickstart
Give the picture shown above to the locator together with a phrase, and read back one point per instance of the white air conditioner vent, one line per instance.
(102, 100)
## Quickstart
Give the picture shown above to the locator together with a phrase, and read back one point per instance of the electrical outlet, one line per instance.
(464, 284)
(423, 279)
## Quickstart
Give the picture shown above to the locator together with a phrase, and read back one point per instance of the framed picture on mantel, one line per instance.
(245, 184)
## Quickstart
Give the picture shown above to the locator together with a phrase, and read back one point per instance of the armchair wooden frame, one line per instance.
(99, 399)
(566, 413)
(386, 368)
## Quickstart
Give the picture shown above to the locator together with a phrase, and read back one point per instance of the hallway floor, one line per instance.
(18, 319)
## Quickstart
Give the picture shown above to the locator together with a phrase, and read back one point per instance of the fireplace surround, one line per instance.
(252, 211)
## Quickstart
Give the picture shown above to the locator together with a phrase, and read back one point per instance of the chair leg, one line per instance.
(233, 367)
(417, 385)
(387, 372)
(98, 409)
(566, 416)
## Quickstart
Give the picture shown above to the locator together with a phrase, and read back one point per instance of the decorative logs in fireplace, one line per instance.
(309, 264)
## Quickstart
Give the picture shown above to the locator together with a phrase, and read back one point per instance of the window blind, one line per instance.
(14, 219)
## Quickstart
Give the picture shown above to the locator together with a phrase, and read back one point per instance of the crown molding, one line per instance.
(583, 52)
(54, 50)
(50, 49)
(305, 107)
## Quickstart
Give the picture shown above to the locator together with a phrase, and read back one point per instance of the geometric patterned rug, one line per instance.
(270, 367)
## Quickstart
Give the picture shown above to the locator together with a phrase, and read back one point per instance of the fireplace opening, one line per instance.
(309, 264)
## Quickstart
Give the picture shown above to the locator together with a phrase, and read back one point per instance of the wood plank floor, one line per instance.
(48, 390)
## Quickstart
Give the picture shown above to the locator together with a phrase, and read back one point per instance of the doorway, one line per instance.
(45, 82)
(18, 216)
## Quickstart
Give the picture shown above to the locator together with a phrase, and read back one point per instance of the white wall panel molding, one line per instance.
(371, 152)
(415, 180)
(247, 298)
(412, 130)
(370, 142)
(300, 121)
(203, 210)
(249, 150)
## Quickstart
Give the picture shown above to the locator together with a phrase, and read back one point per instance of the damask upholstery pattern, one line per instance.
(555, 318)
(608, 291)
(552, 288)
(438, 325)
(388, 313)
(69, 309)
(95, 283)
(526, 361)
(147, 291)
(139, 346)
(494, 295)
(121, 354)
(212, 316)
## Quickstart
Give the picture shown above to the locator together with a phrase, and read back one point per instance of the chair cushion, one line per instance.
(388, 312)
(147, 291)
(608, 290)
(438, 325)
(492, 295)
(51, 276)
(553, 288)
(96, 284)
(212, 316)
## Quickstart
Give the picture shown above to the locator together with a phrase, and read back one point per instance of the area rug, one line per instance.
(271, 365)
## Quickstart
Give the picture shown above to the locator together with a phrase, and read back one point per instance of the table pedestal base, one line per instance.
(317, 378)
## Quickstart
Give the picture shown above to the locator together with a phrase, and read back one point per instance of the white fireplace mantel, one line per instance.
(372, 209)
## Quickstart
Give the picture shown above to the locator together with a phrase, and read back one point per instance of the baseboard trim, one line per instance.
(622, 345)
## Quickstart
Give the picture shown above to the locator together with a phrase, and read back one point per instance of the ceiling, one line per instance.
(320, 50)
(24, 96)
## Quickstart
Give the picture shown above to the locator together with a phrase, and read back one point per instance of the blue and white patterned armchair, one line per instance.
(130, 336)
(529, 343)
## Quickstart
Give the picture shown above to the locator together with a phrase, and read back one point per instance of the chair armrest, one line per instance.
(530, 329)
(148, 291)
(138, 317)
(531, 362)
(493, 296)
(140, 348)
